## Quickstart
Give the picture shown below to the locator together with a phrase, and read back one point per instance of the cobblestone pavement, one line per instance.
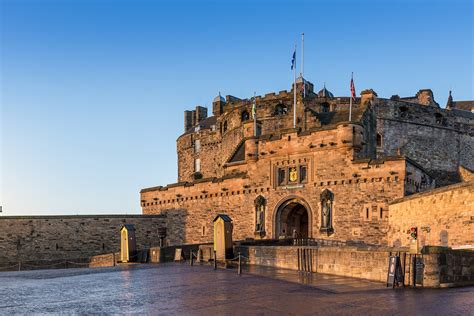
(180, 289)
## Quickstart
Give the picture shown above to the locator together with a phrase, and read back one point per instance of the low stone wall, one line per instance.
(69, 238)
(105, 260)
(444, 217)
(443, 267)
(366, 263)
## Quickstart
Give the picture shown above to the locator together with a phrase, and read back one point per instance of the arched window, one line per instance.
(244, 116)
(379, 140)
(327, 198)
(281, 109)
(260, 205)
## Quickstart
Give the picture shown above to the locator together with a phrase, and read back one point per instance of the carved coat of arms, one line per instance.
(293, 175)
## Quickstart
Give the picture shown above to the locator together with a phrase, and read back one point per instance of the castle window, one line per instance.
(325, 107)
(379, 140)
(197, 146)
(197, 165)
(225, 127)
(281, 176)
(381, 213)
(440, 120)
(403, 111)
(303, 174)
(281, 109)
(245, 116)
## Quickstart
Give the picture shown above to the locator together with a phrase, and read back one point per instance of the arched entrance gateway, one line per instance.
(292, 216)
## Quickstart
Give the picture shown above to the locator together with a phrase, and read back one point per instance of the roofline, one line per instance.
(434, 191)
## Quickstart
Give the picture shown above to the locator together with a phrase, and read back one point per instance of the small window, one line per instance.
(366, 213)
(379, 140)
(303, 174)
(381, 213)
(245, 116)
(281, 109)
(439, 119)
(281, 176)
(403, 111)
(225, 126)
(203, 230)
(197, 165)
(197, 146)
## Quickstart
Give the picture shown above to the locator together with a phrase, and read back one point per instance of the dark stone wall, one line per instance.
(437, 139)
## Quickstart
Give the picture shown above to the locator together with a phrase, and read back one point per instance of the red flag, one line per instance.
(353, 89)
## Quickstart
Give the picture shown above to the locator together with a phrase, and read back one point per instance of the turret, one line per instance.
(350, 135)
(251, 139)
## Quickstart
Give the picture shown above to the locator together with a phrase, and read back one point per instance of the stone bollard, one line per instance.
(191, 259)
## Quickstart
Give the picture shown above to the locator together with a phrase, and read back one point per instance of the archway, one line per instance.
(292, 216)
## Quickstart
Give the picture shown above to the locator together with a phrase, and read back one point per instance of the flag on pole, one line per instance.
(293, 60)
(353, 89)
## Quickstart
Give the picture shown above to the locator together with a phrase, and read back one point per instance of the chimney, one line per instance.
(189, 120)
(201, 114)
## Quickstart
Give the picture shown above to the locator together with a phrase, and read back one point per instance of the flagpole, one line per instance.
(302, 55)
(302, 64)
(294, 93)
(254, 115)
(350, 104)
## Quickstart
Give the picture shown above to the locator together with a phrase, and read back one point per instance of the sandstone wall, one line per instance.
(30, 238)
(443, 267)
(444, 216)
(362, 191)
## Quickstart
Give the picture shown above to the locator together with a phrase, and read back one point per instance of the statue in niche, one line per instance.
(327, 198)
(260, 204)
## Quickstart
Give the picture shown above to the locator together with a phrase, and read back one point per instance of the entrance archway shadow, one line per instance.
(292, 218)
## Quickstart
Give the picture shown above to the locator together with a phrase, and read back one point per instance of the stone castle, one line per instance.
(311, 172)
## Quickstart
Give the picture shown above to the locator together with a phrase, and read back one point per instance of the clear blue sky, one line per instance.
(93, 92)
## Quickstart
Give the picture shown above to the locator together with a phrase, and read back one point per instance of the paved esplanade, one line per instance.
(181, 289)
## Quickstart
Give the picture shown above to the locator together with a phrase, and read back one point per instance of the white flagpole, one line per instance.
(302, 64)
(254, 105)
(350, 104)
(294, 93)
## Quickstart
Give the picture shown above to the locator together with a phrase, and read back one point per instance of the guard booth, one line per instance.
(223, 237)
(128, 243)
